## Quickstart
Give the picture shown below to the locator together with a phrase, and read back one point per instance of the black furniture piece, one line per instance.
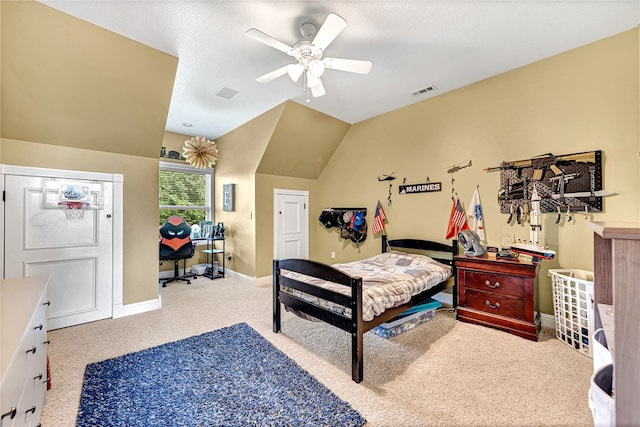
(354, 323)
(215, 270)
(176, 245)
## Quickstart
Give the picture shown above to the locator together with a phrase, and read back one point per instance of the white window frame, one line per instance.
(209, 191)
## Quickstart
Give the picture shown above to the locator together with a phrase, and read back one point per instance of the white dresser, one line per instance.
(23, 350)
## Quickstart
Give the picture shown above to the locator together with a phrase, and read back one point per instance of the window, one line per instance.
(185, 191)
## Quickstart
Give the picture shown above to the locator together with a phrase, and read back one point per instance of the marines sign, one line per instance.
(426, 187)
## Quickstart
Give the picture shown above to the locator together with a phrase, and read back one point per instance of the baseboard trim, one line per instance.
(117, 311)
(138, 307)
(263, 281)
(547, 321)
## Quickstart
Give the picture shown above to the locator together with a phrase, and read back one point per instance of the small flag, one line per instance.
(457, 220)
(378, 220)
(475, 211)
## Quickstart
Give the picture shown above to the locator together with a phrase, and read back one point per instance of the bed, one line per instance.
(315, 290)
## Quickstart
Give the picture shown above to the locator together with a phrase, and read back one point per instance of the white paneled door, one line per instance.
(291, 239)
(76, 253)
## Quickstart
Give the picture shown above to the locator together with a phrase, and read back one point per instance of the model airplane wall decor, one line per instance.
(457, 167)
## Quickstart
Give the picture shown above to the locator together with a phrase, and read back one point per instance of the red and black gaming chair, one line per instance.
(176, 245)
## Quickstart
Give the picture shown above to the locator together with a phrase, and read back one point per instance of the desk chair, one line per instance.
(176, 245)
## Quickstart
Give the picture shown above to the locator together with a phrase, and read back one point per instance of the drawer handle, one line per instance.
(39, 327)
(11, 414)
(32, 410)
(492, 306)
(46, 342)
(37, 377)
(32, 350)
(46, 303)
(496, 285)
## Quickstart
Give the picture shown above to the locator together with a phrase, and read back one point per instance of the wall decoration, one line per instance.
(350, 222)
(171, 154)
(389, 177)
(426, 187)
(200, 152)
(455, 168)
(566, 183)
(229, 197)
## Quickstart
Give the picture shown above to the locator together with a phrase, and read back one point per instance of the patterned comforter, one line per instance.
(388, 280)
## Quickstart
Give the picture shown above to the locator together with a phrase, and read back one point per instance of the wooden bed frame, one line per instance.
(354, 324)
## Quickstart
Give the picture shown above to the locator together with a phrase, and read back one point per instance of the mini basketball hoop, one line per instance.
(75, 209)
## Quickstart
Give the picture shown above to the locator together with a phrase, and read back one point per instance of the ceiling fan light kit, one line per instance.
(309, 53)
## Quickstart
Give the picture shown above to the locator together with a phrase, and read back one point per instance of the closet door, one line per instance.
(77, 253)
(291, 227)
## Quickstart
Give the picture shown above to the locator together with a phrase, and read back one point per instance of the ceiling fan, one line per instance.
(308, 52)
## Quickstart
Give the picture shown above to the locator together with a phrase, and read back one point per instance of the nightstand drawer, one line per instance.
(499, 283)
(496, 304)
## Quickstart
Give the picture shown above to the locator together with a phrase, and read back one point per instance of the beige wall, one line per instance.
(140, 204)
(585, 99)
(75, 96)
(582, 100)
(240, 152)
(67, 82)
(265, 186)
(287, 148)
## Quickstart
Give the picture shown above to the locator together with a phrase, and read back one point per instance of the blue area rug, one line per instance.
(229, 377)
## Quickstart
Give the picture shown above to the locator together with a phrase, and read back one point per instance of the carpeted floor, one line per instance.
(228, 377)
(441, 373)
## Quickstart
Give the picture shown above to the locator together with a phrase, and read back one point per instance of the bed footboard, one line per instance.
(352, 324)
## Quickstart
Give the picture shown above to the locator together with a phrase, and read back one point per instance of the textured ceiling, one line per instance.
(412, 45)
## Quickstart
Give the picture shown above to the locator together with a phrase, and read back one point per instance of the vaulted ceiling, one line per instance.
(413, 45)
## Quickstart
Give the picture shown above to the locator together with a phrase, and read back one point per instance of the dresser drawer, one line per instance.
(499, 283)
(495, 304)
(24, 368)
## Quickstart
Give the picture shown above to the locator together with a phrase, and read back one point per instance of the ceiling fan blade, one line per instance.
(272, 75)
(330, 29)
(318, 90)
(350, 65)
(258, 35)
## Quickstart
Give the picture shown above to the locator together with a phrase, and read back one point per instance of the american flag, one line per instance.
(378, 220)
(457, 220)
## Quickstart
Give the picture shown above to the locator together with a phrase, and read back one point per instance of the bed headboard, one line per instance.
(441, 252)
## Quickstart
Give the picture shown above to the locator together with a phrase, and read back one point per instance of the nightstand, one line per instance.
(499, 293)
